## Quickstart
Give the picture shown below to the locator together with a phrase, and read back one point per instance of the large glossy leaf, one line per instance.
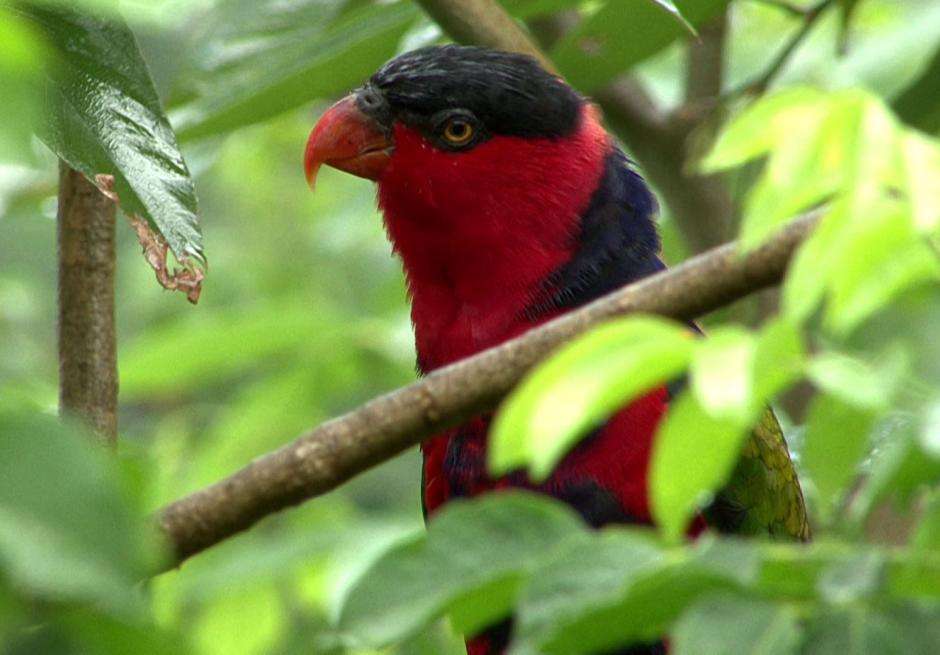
(581, 386)
(622, 34)
(266, 58)
(67, 530)
(470, 564)
(105, 119)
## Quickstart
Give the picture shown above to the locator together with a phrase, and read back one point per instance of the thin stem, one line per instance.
(87, 347)
(763, 82)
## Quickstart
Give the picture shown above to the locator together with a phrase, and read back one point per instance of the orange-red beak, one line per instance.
(347, 139)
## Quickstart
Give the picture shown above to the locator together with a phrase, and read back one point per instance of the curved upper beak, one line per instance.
(347, 139)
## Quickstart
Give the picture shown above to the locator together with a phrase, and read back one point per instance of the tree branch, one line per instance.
(334, 452)
(486, 23)
(87, 350)
(705, 61)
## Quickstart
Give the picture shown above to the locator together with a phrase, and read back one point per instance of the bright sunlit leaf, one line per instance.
(693, 455)
(582, 385)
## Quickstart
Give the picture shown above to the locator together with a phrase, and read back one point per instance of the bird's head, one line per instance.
(449, 123)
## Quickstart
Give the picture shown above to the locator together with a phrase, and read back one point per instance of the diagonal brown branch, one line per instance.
(87, 350)
(334, 452)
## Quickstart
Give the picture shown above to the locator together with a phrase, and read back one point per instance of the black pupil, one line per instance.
(458, 130)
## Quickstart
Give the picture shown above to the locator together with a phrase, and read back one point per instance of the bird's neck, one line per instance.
(479, 233)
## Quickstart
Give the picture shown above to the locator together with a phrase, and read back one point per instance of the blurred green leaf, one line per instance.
(859, 631)
(853, 579)
(693, 455)
(67, 530)
(491, 544)
(899, 470)
(104, 118)
(596, 50)
(725, 624)
(919, 104)
(671, 7)
(779, 358)
(581, 386)
(267, 58)
(858, 382)
(837, 437)
(756, 130)
(583, 576)
(639, 611)
(22, 54)
(880, 254)
(722, 372)
(920, 163)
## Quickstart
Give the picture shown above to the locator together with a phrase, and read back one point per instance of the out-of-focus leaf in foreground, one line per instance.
(470, 564)
(67, 529)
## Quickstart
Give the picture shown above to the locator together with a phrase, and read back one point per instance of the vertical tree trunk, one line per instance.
(87, 349)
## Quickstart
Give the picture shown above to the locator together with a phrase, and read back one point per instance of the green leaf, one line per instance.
(859, 631)
(693, 455)
(22, 54)
(919, 104)
(104, 118)
(765, 123)
(471, 562)
(67, 530)
(670, 6)
(920, 162)
(636, 605)
(805, 285)
(596, 50)
(880, 254)
(859, 382)
(726, 624)
(722, 372)
(296, 52)
(837, 436)
(586, 575)
(580, 386)
(853, 579)
(779, 359)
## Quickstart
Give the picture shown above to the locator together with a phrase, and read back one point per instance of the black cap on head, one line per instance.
(509, 94)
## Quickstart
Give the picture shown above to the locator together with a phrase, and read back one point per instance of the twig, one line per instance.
(784, 5)
(87, 350)
(334, 452)
(486, 23)
(763, 82)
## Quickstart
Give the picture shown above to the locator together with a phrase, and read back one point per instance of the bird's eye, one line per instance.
(458, 131)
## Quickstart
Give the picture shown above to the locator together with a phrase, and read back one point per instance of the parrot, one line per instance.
(509, 204)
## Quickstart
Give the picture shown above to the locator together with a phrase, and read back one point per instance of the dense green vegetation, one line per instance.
(303, 315)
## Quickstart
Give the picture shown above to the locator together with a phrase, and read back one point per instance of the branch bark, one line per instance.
(334, 452)
(87, 346)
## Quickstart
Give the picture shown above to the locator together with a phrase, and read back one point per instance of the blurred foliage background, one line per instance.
(304, 313)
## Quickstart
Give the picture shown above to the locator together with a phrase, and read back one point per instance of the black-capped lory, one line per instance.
(509, 204)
